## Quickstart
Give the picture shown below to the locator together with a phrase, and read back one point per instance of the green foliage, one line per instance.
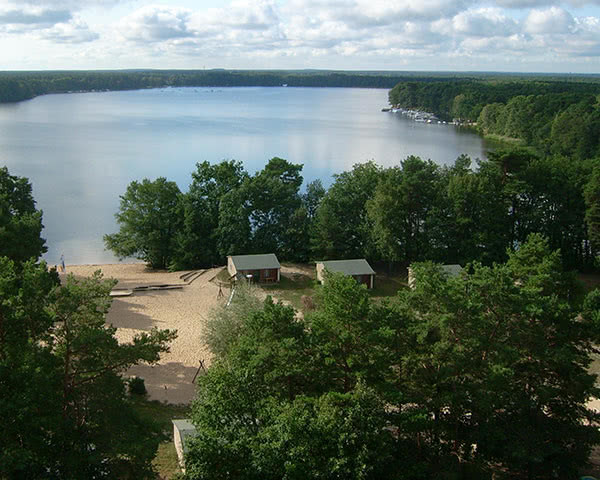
(137, 386)
(234, 231)
(225, 324)
(273, 198)
(477, 376)
(29, 374)
(62, 394)
(196, 243)
(331, 437)
(344, 331)
(472, 221)
(149, 217)
(401, 207)
(20, 222)
(17, 86)
(342, 228)
(555, 117)
(500, 358)
(413, 212)
(592, 214)
(313, 197)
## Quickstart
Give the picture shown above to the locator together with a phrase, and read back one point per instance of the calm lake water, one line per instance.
(80, 151)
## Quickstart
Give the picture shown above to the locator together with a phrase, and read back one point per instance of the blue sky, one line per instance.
(499, 35)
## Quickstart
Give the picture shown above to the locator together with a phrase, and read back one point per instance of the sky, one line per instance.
(435, 35)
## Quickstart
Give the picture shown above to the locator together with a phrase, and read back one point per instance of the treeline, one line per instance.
(63, 400)
(412, 212)
(555, 117)
(482, 376)
(17, 86)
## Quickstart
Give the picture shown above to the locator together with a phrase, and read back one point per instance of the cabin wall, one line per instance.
(231, 267)
(364, 280)
(178, 447)
(320, 272)
(263, 276)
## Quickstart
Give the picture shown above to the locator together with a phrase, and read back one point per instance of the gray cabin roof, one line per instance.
(452, 270)
(186, 430)
(349, 267)
(255, 262)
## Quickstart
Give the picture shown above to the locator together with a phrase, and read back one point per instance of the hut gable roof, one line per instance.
(255, 262)
(452, 270)
(349, 267)
(186, 430)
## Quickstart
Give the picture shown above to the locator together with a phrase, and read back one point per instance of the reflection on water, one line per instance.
(81, 150)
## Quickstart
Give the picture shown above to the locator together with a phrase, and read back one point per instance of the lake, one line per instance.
(80, 151)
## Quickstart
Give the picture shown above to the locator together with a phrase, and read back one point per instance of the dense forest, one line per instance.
(17, 86)
(477, 377)
(415, 211)
(554, 117)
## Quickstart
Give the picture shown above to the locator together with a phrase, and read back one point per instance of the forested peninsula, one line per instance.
(552, 116)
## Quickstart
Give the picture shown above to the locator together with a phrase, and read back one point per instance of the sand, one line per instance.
(184, 309)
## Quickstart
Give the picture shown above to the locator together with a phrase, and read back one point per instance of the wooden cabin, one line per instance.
(182, 431)
(262, 268)
(452, 270)
(359, 269)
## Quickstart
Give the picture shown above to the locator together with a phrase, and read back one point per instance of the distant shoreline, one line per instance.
(25, 85)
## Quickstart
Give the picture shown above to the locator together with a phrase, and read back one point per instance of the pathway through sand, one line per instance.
(183, 309)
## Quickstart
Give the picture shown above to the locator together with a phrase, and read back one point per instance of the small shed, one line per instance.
(263, 268)
(357, 268)
(183, 429)
(452, 270)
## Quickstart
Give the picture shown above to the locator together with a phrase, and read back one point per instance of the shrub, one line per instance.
(137, 386)
(308, 303)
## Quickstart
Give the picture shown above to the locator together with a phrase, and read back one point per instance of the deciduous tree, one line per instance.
(149, 217)
(20, 222)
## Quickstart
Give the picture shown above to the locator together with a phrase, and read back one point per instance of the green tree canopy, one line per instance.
(20, 222)
(341, 228)
(592, 214)
(149, 217)
(196, 243)
(401, 207)
(61, 390)
(480, 375)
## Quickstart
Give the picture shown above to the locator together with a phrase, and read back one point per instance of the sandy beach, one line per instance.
(182, 309)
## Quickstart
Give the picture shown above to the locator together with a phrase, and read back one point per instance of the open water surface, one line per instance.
(80, 151)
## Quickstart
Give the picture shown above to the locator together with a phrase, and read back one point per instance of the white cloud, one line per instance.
(155, 23)
(481, 22)
(524, 4)
(310, 33)
(75, 31)
(70, 4)
(549, 21)
(22, 19)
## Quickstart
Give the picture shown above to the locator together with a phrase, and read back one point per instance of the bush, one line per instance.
(308, 303)
(137, 386)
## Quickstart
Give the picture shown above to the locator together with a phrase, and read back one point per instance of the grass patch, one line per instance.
(302, 281)
(222, 276)
(386, 286)
(590, 281)
(293, 286)
(165, 462)
(502, 140)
